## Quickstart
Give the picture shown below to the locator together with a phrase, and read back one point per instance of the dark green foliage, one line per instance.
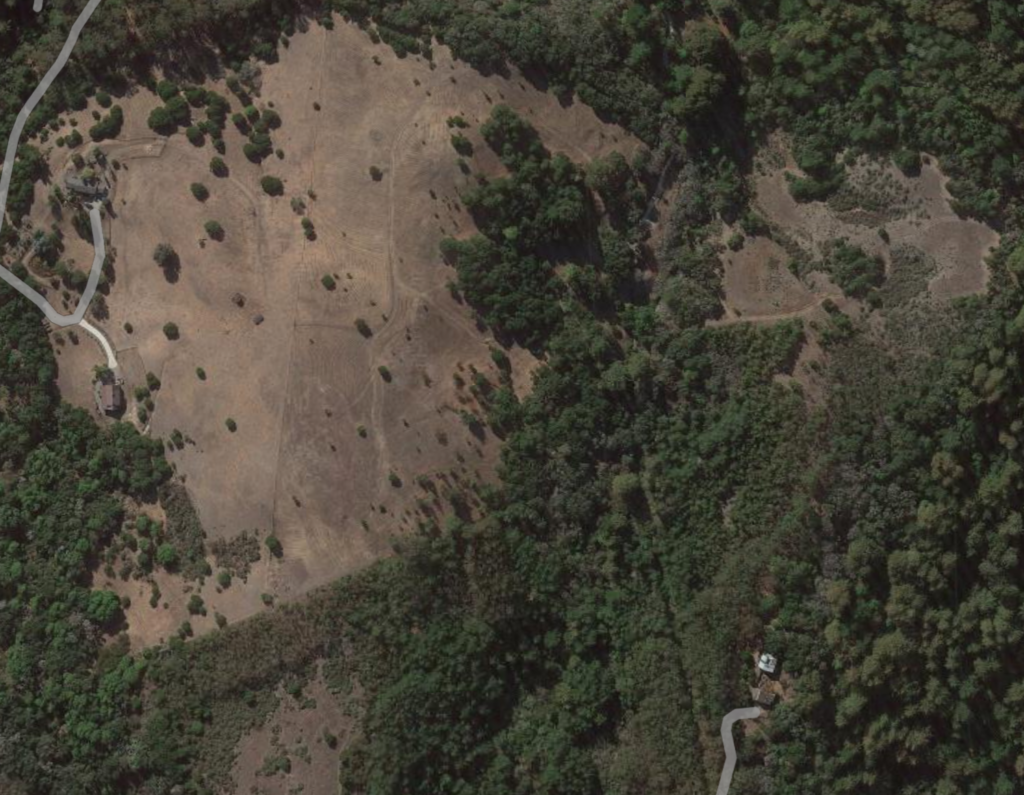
(274, 546)
(199, 191)
(855, 271)
(516, 294)
(171, 331)
(178, 109)
(214, 230)
(60, 510)
(29, 166)
(160, 120)
(462, 145)
(109, 126)
(167, 90)
(184, 532)
(218, 167)
(272, 186)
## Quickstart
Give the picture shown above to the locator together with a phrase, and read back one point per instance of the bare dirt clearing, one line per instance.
(913, 211)
(328, 451)
(294, 745)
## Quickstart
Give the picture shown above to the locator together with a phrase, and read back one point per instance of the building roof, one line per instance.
(111, 397)
(79, 185)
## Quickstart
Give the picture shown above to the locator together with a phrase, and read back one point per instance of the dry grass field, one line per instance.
(327, 452)
(918, 214)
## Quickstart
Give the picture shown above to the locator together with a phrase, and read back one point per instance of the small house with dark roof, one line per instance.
(109, 394)
(89, 190)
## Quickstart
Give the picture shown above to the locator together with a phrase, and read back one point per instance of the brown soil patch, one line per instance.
(296, 731)
(300, 384)
(757, 282)
(914, 211)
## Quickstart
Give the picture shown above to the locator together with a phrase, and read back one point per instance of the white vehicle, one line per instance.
(767, 663)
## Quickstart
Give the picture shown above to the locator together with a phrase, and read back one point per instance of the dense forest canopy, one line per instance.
(669, 499)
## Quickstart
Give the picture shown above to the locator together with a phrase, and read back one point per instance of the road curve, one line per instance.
(748, 713)
(99, 336)
(52, 314)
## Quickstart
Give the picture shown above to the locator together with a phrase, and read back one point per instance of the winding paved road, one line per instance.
(51, 313)
(749, 713)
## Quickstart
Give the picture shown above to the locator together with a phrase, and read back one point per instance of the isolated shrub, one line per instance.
(309, 230)
(152, 382)
(223, 579)
(231, 424)
(251, 113)
(385, 373)
(200, 191)
(218, 167)
(164, 254)
(376, 174)
(272, 186)
(196, 606)
(462, 145)
(274, 545)
(171, 331)
(74, 140)
(195, 136)
(214, 230)
(328, 281)
(103, 99)
(200, 373)
(364, 328)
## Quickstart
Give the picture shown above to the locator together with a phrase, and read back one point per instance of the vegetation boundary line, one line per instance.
(747, 713)
(51, 313)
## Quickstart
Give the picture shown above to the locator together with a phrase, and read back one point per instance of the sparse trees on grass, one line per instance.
(218, 167)
(199, 191)
(171, 331)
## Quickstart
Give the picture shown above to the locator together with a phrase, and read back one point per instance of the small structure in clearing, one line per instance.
(109, 394)
(767, 663)
(90, 189)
